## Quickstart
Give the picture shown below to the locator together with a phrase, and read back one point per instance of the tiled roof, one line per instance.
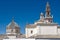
(13, 24)
(31, 26)
(41, 24)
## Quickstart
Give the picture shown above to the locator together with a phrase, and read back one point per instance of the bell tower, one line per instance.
(48, 16)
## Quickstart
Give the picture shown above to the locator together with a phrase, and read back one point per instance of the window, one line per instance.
(12, 30)
(17, 31)
(31, 31)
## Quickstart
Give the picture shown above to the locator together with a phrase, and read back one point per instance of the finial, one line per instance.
(47, 4)
(47, 9)
(12, 19)
(42, 14)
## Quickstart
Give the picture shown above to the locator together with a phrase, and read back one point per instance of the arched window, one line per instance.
(31, 31)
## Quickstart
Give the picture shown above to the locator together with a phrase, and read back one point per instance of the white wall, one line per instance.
(48, 30)
(28, 32)
(8, 31)
(58, 31)
(11, 37)
(41, 30)
(38, 30)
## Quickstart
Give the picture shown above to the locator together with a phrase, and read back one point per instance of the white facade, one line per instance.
(42, 30)
(8, 31)
(11, 37)
(28, 32)
(58, 31)
(48, 30)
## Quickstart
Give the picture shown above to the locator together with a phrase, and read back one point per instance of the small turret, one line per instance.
(41, 17)
(48, 16)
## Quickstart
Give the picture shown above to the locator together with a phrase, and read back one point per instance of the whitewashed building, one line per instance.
(44, 27)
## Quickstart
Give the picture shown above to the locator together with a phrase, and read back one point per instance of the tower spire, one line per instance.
(12, 19)
(47, 9)
(48, 17)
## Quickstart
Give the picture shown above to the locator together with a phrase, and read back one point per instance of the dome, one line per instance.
(12, 25)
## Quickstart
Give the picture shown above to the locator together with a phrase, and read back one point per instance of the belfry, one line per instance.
(48, 16)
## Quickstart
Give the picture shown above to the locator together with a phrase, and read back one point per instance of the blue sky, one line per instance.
(25, 11)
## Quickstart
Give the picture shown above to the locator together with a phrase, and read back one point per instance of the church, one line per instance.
(45, 27)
